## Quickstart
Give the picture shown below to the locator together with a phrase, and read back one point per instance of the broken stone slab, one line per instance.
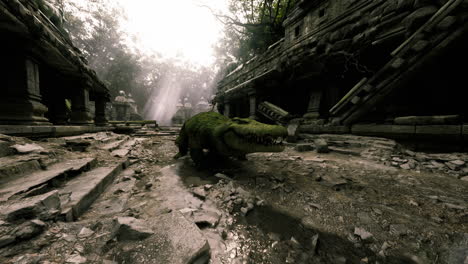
(321, 145)
(179, 241)
(131, 229)
(27, 148)
(84, 189)
(45, 207)
(33, 180)
(114, 145)
(223, 176)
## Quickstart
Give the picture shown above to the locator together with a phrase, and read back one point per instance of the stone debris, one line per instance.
(129, 228)
(45, 207)
(85, 232)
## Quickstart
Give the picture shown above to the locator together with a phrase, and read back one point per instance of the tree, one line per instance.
(254, 25)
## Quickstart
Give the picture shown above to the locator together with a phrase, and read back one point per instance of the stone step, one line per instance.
(124, 149)
(79, 193)
(114, 144)
(114, 200)
(45, 177)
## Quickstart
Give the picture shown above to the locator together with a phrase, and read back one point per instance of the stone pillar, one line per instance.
(314, 105)
(80, 114)
(21, 100)
(100, 112)
(59, 115)
(227, 109)
(253, 106)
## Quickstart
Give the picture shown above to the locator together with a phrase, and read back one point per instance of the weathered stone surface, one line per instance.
(321, 145)
(44, 206)
(199, 192)
(440, 131)
(129, 228)
(27, 148)
(392, 131)
(178, 242)
(363, 234)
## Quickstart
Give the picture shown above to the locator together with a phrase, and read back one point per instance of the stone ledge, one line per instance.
(49, 131)
(314, 129)
(392, 131)
(451, 132)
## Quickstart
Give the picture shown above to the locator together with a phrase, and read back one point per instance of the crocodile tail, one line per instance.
(182, 143)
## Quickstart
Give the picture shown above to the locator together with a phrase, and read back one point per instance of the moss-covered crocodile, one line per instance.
(223, 136)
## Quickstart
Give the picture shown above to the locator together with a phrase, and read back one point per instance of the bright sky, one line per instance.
(176, 28)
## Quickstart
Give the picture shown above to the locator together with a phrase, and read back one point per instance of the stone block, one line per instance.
(391, 131)
(15, 130)
(427, 120)
(321, 145)
(440, 132)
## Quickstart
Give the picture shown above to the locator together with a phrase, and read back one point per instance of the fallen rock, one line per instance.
(30, 259)
(85, 232)
(321, 145)
(222, 176)
(199, 192)
(363, 234)
(27, 148)
(44, 207)
(314, 244)
(129, 228)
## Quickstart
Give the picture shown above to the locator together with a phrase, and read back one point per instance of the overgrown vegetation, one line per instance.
(252, 26)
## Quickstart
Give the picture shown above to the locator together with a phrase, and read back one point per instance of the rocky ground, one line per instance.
(327, 199)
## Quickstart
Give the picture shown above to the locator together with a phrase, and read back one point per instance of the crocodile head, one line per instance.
(248, 136)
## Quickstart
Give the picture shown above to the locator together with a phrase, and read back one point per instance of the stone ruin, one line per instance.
(186, 110)
(46, 78)
(366, 67)
(124, 108)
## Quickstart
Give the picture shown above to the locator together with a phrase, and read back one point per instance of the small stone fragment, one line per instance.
(199, 192)
(85, 232)
(363, 234)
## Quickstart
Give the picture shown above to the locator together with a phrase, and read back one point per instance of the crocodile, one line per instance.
(210, 133)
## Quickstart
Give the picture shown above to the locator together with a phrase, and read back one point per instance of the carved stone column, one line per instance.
(80, 106)
(314, 105)
(253, 106)
(227, 109)
(100, 113)
(21, 100)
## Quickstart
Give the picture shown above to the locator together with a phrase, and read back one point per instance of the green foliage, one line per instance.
(253, 25)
